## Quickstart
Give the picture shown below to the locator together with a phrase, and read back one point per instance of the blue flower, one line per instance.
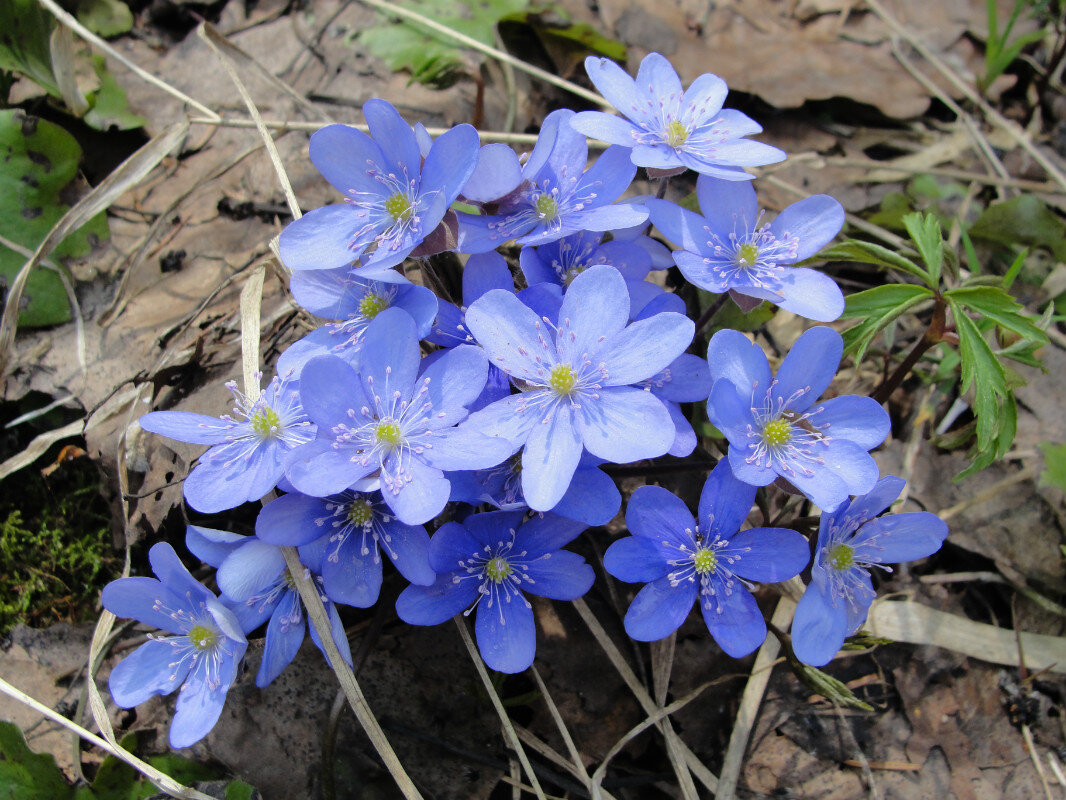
(356, 527)
(709, 560)
(245, 460)
(561, 261)
(777, 428)
(557, 195)
(386, 421)
(850, 542)
(201, 657)
(256, 585)
(490, 561)
(668, 128)
(392, 200)
(686, 380)
(342, 295)
(577, 376)
(731, 249)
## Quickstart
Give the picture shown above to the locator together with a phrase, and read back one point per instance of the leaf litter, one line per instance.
(942, 723)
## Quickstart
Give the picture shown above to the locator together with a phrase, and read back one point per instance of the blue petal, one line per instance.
(747, 153)
(858, 419)
(729, 206)
(484, 272)
(341, 153)
(609, 178)
(535, 269)
(900, 537)
(319, 470)
(323, 292)
(351, 576)
(809, 225)
(703, 99)
(847, 469)
(145, 600)
(250, 570)
(394, 136)
(735, 358)
(421, 304)
(511, 333)
(595, 307)
(545, 299)
(661, 518)
(645, 348)
(390, 356)
(605, 127)
(147, 671)
(613, 83)
(284, 635)
(657, 81)
(773, 554)
(506, 419)
(809, 367)
(336, 629)
(187, 427)
(684, 435)
(809, 294)
(882, 496)
(451, 163)
(754, 473)
(329, 389)
(451, 544)
(456, 378)
(625, 424)
(730, 412)
(549, 459)
(506, 634)
(635, 560)
(423, 497)
(546, 533)
(432, 605)
(682, 227)
(819, 627)
(493, 528)
(593, 498)
(319, 342)
(211, 546)
(292, 520)
(464, 448)
(724, 502)
(605, 218)
(734, 621)
(408, 547)
(175, 575)
(560, 575)
(659, 609)
(320, 239)
(497, 173)
(199, 705)
(687, 380)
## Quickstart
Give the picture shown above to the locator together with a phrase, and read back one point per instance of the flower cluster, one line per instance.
(494, 417)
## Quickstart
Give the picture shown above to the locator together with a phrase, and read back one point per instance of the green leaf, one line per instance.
(870, 253)
(239, 790)
(430, 57)
(995, 304)
(105, 17)
(826, 685)
(877, 308)
(584, 36)
(38, 161)
(108, 107)
(25, 31)
(25, 775)
(1023, 220)
(924, 230)
(1054, 472)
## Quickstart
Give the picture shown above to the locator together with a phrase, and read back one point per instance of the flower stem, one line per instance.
(933, 335)
(709, 312)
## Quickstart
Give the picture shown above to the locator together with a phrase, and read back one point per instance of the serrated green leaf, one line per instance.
(983, 372)
(1023, 220)
(105, 17)
(25, 31)
(995, 304)
(870, 253)
(108, 107)
(38, 160)
(924, 230)
(27, 775)
(1054, 472)
(878, 307)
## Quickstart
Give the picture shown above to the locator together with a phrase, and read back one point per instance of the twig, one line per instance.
(1031, 747)
(571, 748)
(89, 36)
(394, 9)
(505, 721)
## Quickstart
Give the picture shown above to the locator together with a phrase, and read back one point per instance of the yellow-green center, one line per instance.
(360, 513)
(387, 433)
(562, 379)
(497, 569)
(398, 206)
(704, 561)
(676, 134)
(371, 305)
(547, 208)
(747, 254)
(841, 557)
(202, 638)
(777, 432)
(266, 422)
(570, 274)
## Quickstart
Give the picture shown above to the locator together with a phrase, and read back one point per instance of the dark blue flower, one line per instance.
(342, 295)
(668, 128)
(201, 657)
(356, 527)
(490, 561)
(851, 542)
(392, 200)
(386, 421)
(708, 560)
(557, 196)
(578, 377)
(256, 585)
(729, 248)
(776, 427)
(246, 458)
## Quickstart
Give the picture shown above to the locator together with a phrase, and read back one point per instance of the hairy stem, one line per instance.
(933, 335)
